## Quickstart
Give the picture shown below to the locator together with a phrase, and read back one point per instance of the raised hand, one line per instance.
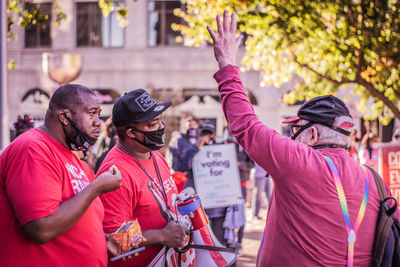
(203, 140)
(226, 42)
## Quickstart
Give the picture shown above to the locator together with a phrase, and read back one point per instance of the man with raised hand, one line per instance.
(305, 225)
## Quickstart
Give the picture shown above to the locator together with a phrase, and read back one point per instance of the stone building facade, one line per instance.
(143, 54)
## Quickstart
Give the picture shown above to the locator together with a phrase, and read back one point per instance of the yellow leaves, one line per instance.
(318, 33)
(11, 64)
(12, 4)
(105, 7)
(122, 12)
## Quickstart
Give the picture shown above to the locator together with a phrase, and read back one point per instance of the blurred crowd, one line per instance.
(365, 149)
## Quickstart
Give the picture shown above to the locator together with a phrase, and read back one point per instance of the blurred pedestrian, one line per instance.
(396, 136)
(180, 147)
(305, 223)
(23, 124)
(205, 135)
(50, 211)
(262, 184)
(245, 164)
(353, 148)
(108, 143)
(368, 153)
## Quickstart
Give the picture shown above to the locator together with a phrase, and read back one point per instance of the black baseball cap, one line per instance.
(136, 106)
(324, 110)
(207, 127)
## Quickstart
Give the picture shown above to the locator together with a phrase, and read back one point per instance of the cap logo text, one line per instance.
(145, 101)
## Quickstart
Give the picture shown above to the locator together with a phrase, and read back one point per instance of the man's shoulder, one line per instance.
(34, 144)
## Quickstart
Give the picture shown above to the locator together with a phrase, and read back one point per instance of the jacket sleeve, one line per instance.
(185, 161)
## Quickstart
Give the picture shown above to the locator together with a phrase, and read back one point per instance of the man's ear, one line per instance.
(129, 133)
(314, 136)
(62, 116)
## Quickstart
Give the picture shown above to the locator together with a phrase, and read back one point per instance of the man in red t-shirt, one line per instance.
(50, 211)
(148, 190)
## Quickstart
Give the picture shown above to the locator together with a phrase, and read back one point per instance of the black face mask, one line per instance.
(153, 140)
(191, 132)
(78, 140)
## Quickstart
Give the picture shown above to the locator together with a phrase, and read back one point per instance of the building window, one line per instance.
(95, 30)
(161, 17)
(38, 33)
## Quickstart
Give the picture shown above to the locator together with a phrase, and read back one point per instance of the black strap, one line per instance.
(212, 248)
(328, 146)
(382, 192)
(379, 183)
(206, 247)
(384, 223)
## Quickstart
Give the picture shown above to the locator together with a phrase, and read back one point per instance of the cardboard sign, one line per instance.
(389, 167)
(216, 176)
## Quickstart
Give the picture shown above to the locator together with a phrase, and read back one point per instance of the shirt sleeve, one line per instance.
(34, 189)
(264, 145)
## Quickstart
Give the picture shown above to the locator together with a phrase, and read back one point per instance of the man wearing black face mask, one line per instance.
(148, 189)
(51, 213)
(185, 142)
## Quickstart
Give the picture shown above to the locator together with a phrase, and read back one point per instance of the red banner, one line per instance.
(389, 167)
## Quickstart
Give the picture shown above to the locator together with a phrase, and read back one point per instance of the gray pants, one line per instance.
(261, 185)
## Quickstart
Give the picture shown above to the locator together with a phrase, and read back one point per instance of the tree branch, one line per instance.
(360, 61)
(352, 19)
(371, 88)
(396, 92)
(324, 76)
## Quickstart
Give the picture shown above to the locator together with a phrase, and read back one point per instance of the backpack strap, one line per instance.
(385, 222)
(379, 183)
(383, 193)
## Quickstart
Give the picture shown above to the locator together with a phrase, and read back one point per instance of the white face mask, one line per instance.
(193, 141)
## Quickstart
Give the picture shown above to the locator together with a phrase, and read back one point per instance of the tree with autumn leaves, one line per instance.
(327, 43)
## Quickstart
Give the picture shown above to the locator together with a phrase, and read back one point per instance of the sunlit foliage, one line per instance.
(328, 43)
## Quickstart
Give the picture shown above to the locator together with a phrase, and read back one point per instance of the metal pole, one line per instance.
(4, 127)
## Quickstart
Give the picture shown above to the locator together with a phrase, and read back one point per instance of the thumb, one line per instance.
(113, 170)
(239, 40)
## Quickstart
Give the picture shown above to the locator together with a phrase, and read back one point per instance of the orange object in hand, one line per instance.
(128, 236)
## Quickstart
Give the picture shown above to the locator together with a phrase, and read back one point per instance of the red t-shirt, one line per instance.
(134, 199)
(36, 175)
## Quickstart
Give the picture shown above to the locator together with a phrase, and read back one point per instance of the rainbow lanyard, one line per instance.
(351, 230)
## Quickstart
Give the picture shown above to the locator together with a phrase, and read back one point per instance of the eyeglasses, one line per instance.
(297, 129)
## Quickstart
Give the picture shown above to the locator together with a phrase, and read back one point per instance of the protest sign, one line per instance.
(389, 167)
(216, 176)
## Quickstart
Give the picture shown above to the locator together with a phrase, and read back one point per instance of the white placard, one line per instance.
(216, 176)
